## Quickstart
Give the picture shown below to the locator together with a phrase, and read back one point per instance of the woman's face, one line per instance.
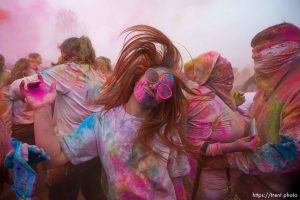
(153, 87)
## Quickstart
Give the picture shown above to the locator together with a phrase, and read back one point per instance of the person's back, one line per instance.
(214, 124)
(211, 121)
(77, 86)
(226, 125)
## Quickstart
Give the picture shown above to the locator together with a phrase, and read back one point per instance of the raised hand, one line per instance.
(37, 94)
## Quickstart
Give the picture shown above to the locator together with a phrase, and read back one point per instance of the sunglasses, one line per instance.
(162, 89)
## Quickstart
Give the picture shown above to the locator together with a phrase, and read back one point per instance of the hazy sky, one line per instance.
(226, 26)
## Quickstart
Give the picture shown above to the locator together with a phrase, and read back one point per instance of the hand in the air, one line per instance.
(37, 94)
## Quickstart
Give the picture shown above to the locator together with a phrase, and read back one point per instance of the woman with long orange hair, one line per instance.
(138, 134)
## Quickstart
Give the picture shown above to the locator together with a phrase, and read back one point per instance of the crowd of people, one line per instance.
(152, 127)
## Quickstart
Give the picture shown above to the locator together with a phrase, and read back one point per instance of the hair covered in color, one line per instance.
(146, 47)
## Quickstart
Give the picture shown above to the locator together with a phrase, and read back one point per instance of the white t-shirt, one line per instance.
(77, 87)
(132, 172)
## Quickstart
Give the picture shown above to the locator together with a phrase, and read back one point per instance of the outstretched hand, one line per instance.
(37, 94)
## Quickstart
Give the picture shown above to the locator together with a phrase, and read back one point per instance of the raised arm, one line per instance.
(41, 101)
(58, 74)
(76, 147)
(14, 89)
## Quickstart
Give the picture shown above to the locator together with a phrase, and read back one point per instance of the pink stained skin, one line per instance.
(146, 93)
(36, 90)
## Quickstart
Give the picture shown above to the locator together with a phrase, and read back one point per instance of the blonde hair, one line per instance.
(104, 64)
(78, 50)
(34, 55)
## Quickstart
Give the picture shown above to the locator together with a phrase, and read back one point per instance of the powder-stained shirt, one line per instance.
(77, 86)
(132, 173)
(278, 125)
(211, 120)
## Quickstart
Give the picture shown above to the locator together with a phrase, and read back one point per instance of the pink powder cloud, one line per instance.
(20, 24)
